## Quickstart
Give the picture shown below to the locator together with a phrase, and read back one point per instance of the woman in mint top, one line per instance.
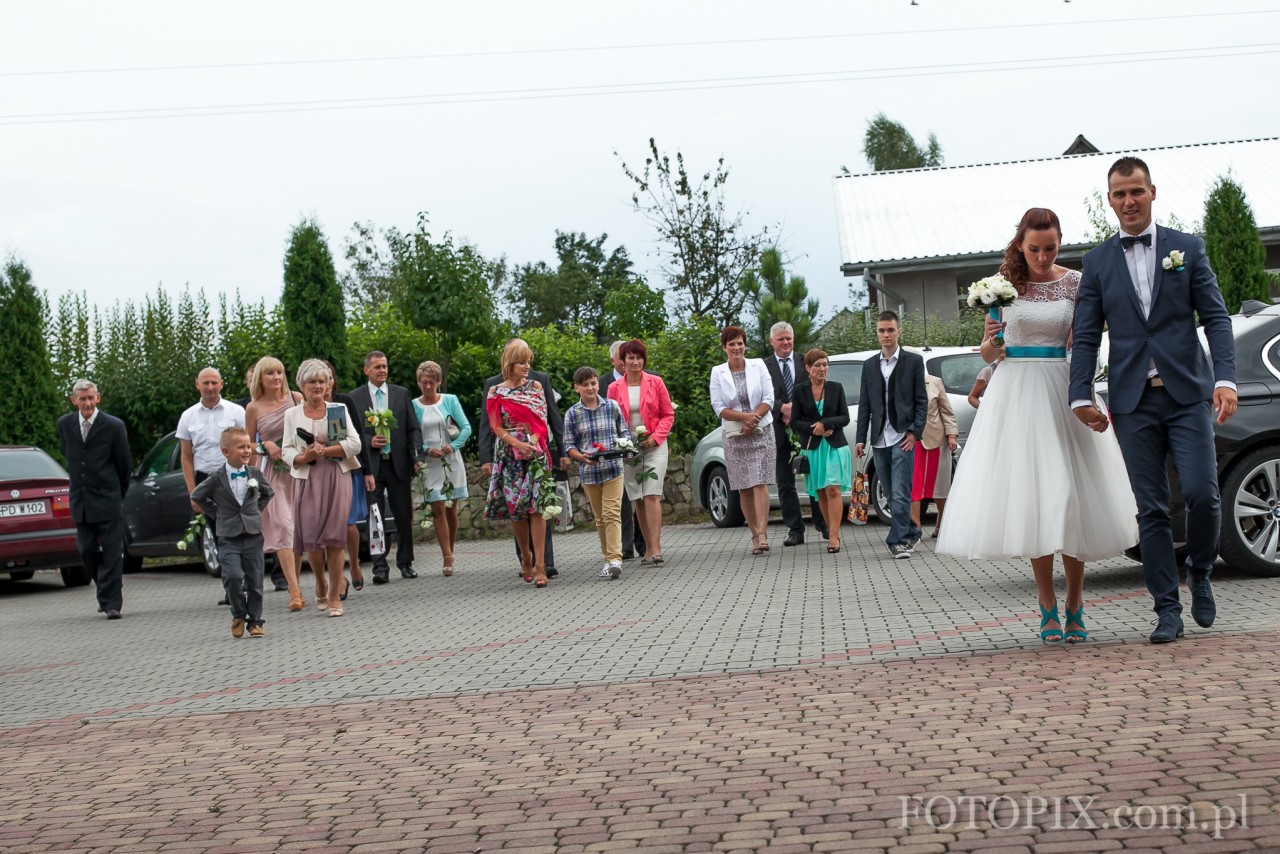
(445, 429)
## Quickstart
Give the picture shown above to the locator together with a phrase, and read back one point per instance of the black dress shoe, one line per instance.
(628, 555)
(823, 533)
(1203, 608)
(407, 572)
(223, 601)
(380, 577)
(1168, 629)
(552, 572)
(794, 540)
(113, 614)
(280, 587)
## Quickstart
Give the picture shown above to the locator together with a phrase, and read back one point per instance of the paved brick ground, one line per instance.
(797, 702)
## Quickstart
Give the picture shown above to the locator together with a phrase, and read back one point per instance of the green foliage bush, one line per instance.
(30, 406)
(683, 355)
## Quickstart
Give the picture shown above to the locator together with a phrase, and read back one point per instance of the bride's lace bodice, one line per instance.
(1041, 317)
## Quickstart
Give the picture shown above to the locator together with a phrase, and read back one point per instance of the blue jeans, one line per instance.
(894, 469)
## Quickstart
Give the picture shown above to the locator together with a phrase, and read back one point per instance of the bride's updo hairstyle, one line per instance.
(1015, 267)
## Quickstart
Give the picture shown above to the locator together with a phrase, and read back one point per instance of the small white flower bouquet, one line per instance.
(194, 530)
(1175, 260)
(991, 294)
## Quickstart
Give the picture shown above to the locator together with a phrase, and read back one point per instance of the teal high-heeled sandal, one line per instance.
(1047, 616)
(1080, 634)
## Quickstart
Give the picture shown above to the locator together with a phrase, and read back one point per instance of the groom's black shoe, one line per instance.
(1168, 630)
(1203, 608)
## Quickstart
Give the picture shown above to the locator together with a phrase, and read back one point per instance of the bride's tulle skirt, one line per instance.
(1032, 480)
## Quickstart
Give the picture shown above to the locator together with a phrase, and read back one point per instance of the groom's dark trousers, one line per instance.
(1158, 429)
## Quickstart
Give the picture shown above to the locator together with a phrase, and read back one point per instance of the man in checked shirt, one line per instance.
(592, 428)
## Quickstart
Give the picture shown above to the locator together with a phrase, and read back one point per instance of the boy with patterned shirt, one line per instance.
(592, 428)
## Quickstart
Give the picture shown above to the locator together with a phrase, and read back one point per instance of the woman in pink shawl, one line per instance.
(517, 412)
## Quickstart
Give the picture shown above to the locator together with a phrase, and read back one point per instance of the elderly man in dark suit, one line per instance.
(892, 407)
(554, 420)
(786, 369)
(393, 462)
(96, 448)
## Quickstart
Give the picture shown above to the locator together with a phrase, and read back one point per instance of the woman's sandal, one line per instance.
(540, 577)
(357, 582)
(448, 567)
(1076, 618)
(1047, 616)
(335, 612)
(346, 588)
(832, 550)
(296, 603)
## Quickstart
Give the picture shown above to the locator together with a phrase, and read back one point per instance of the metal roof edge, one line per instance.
(1116, 153)
(908, 265)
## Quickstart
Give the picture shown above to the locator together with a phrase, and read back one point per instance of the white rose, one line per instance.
(988, 298)
(182, 545)
(253, 483)
(1167, 264)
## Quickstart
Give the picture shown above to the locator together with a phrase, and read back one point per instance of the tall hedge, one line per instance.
(1233, 246)
(30, 407)
(315, 320)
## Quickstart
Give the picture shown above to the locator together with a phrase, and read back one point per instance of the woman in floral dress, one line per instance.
(517, 413)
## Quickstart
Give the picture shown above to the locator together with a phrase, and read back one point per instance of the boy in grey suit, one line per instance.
(234, 496)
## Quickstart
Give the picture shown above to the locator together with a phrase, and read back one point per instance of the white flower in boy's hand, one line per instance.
(253, 483)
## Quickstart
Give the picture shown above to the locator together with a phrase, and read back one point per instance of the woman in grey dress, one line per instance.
(742, 395)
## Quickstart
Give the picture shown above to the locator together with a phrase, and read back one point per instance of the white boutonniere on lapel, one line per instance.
(1175, 260)
(253, 486)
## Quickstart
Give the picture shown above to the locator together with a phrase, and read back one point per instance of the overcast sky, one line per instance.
(247, 116)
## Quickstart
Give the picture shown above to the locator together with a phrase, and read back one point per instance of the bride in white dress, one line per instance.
(1032, 480)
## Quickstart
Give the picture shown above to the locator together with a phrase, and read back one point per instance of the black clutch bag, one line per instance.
(800, 464)
(308, 437)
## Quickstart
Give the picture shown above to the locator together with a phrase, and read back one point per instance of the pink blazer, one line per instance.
(655, 404)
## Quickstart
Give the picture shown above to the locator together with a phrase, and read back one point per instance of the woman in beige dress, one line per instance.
(264, 422)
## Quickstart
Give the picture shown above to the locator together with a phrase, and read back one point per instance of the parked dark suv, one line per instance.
(1248, 451)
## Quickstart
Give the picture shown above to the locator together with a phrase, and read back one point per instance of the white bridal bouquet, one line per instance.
(991, 294)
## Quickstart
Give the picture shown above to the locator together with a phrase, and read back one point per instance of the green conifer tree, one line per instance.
(31, 408)
(1233, 246)
(315, 319)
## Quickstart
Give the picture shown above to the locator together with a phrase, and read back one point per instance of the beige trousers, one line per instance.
(606, 506)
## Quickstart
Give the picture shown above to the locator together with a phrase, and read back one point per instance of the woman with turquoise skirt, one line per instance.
(819, 415)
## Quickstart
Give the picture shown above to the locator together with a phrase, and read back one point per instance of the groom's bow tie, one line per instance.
(1127, 241)
(241, 473)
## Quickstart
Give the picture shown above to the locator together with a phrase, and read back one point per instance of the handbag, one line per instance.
(861, 497)
(800, 465)
(732, 428)
(451, 428)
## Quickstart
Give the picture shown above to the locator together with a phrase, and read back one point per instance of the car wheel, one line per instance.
(74, 576)
(722, 502)
(209, 555)
(880, 500)
(1251, 514)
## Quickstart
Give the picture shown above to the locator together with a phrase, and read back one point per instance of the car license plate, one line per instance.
(23, 508)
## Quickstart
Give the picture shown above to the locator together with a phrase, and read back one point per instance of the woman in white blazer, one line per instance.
(742, 395)
(323, 499)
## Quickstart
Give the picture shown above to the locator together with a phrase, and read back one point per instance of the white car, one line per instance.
(958, 367)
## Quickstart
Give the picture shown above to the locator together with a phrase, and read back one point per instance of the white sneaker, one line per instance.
(615, 569)
(606, 571)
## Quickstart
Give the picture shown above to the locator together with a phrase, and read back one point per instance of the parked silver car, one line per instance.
(958, 367)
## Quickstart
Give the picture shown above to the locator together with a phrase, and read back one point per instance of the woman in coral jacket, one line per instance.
(647, 408)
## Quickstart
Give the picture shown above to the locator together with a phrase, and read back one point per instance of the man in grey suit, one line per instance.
(96, 448)
(786, 369)
(892, 407)
(393, 462)
(235, 495)
(554, 420)
(1163, 392)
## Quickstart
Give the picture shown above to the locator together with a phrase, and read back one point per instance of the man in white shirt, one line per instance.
(787, 371)
(199, 434)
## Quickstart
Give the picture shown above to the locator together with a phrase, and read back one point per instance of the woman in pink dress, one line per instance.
(320, 467)
(264, 422)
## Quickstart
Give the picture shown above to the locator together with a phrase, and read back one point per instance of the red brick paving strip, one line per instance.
(805, 760)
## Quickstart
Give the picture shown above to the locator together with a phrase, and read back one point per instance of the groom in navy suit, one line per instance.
(1149, 284)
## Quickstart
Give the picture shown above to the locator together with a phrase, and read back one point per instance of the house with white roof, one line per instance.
(919, 237)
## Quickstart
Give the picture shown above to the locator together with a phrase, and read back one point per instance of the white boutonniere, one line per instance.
(253, 485)
(1175, 260)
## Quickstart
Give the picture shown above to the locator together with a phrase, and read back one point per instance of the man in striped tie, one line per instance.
(787, 368)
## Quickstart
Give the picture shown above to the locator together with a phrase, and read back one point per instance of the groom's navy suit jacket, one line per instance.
(1166, 336)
